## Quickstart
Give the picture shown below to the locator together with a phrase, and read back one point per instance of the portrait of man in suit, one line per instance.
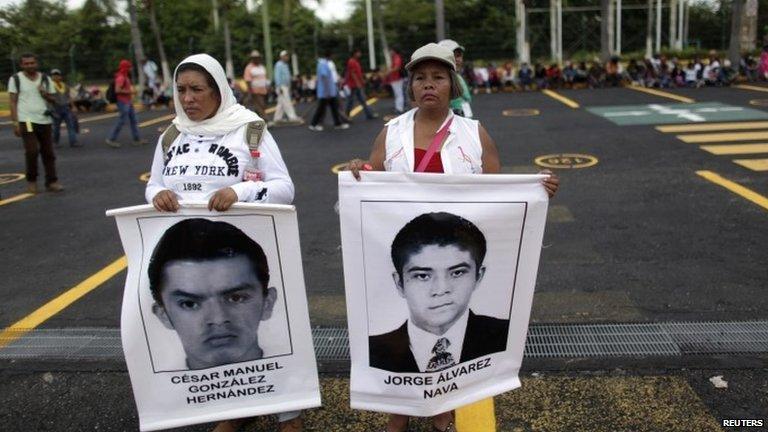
(210, 284)
(438, 260)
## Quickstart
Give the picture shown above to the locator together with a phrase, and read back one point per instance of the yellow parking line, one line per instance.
(476, 417)
(43, 313)
(157, 120)
(85, 120)
(750, 87)
(735, 188)
(663, 94)
(15, 198)
(753, 164)
(11, 177)
(561, 98)
(735, 149)
(723, 137)
(99, 117)
(339, 167)
(709, 127)
(356, 110)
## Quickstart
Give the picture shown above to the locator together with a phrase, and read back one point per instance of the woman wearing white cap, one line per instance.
(207, 138)
(402, 146)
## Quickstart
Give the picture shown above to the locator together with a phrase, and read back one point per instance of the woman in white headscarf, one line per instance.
(208, 161)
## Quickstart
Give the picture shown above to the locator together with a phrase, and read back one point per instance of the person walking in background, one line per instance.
(152, 87)
(283, 90)
(763, 65)
(395, 79)
(255, 76)
(356, 83)
(460, 105)
(327, 93)
(150, 71)
(124, 91)
(29, 91)
(341, 93)
(63, 110)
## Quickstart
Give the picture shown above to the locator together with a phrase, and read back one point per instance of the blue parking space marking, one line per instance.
(629, 115)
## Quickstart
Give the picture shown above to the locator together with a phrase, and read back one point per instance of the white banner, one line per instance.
(439, 273)
(215, 322)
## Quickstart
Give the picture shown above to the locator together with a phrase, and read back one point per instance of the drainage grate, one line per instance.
(95, 343)
(331, 344)
(544, 341)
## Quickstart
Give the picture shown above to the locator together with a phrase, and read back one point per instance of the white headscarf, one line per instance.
(230, 114)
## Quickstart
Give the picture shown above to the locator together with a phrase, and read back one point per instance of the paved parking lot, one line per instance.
(669, 222)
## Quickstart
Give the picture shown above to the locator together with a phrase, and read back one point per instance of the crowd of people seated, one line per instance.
(657, 71)
(89, 99)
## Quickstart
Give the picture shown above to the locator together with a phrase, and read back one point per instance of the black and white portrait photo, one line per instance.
(214, 293)
(210, 284)
(439, 273)
(439, 264)
(215, 322)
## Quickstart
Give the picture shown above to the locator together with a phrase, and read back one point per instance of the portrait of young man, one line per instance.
(210, 284)
(438, 260)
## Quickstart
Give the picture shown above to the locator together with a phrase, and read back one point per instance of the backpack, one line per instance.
(111, 94)
(253, 133)
(46, 83)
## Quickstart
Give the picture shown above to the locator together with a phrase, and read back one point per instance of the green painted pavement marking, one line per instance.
(627, 115)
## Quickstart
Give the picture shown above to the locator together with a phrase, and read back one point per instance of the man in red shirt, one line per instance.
(124, 93)
(356, 83)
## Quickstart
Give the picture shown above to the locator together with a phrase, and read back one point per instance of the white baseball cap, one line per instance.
(283, 53)
(432, 51)
(451, 44)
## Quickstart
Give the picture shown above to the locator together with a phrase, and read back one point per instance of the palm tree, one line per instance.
(649, 31)
(382, 34)
(138, 47)
(606, 29)
(229, 66)
(150, 4)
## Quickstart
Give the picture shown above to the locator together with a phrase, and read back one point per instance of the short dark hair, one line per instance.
(28, 55)
(197, 68)
(441, 229)
(203, 239)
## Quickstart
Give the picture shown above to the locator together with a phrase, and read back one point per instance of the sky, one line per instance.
(328, 10)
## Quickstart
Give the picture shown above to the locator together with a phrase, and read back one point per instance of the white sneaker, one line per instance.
(318, 128)
(342, 126)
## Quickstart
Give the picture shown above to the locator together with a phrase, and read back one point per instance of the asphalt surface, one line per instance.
(637, 237)
(609, 401)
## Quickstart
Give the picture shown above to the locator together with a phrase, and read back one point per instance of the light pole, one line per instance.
(369, 23)
(71, 62)
(440, 19)
(267, 36)
(618, 27)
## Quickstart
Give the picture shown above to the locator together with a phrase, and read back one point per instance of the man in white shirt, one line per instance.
(438, 260)
(30, 92)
